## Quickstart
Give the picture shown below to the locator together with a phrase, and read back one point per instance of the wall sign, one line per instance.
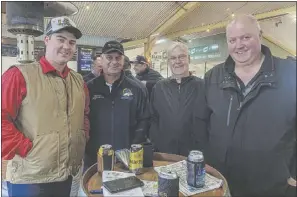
(9, 50)
(205, 52)
(85, 59)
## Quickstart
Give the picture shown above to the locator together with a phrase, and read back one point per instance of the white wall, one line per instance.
(132, 53)
(9, 61)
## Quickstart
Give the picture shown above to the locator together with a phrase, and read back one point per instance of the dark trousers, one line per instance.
(61, 189)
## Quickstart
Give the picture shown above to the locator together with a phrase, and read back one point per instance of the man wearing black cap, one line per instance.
(119, 107)
(148, 76)
(45, 118)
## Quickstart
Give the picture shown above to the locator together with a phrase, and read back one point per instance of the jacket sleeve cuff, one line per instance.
(25, 147)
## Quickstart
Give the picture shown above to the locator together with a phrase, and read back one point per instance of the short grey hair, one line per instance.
(180, 45)
(248, 17)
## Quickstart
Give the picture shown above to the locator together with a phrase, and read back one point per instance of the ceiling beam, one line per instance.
(134, 43)
(178, 16)
(280, 45)
(223, 24)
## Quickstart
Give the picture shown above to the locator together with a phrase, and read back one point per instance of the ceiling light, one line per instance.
(87, 7)
(160, 41)
(190, 41)
(208, 30)
(156, 34)
(233, 15)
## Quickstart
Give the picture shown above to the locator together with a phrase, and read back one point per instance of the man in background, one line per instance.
(96, 70)
(145, 74)
(128, 73)
(45, 126)
(251, 100)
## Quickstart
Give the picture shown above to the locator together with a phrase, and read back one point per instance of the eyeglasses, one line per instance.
(180, 57)
(111, 58)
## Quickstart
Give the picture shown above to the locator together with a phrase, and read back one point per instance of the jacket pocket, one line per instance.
(78, 146)
(43, 158)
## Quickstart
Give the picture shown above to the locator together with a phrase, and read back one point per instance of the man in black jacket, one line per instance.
(145, 74)
(251, 101)
(128, 73)
(173, 100)
(96, 70)
(118, 108)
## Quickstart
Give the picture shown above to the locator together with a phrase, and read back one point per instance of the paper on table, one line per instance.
(180, 168)
(113, 175)
(150, 188)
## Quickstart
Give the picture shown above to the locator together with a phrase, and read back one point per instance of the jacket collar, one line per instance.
(144, 72)
(48, 68)
(116, 84)
(183, 80)
(267, 69)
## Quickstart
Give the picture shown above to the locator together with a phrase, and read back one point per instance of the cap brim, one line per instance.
(137, 62)
(113, 50)
(76, 32)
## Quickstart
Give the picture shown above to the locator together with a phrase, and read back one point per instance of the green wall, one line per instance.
(200, 49)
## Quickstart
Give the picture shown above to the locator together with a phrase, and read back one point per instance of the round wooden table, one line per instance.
(91, 179)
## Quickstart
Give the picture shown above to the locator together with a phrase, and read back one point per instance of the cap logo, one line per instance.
(114, 45)
(64, 22)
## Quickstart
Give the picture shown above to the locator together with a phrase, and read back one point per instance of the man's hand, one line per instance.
(144, 82)
(292, 182)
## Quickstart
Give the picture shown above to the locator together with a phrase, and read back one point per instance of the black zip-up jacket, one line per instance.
(252, 138)
(151, 77)
(119, 118)
(128, 74)
(89, 77)
(173, 128)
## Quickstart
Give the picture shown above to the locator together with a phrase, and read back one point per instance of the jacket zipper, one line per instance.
(229, 110)
(112, 123)
(179, 88)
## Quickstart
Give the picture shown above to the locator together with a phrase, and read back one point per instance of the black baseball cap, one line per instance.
(139, 60)
(113, 46)
(62, 23)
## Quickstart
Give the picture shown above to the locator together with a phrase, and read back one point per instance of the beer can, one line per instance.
(136, 158)
(168, 184)
(196, 169)
(105, 158)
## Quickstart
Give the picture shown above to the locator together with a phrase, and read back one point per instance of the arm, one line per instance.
(154, 119)
(87, 111)
(201, 118)
(13, 92)
(142, 116)
(154, 79)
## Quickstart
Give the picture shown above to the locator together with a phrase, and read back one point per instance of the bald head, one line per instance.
(245, 20)
(244, 39)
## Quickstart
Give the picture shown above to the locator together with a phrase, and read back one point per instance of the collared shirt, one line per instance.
(242, 88)
(13, 92)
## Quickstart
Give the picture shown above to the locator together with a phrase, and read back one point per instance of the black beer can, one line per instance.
(196, 169)
(168, 184)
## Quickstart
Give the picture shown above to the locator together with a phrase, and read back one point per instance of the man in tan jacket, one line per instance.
(44, 118)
